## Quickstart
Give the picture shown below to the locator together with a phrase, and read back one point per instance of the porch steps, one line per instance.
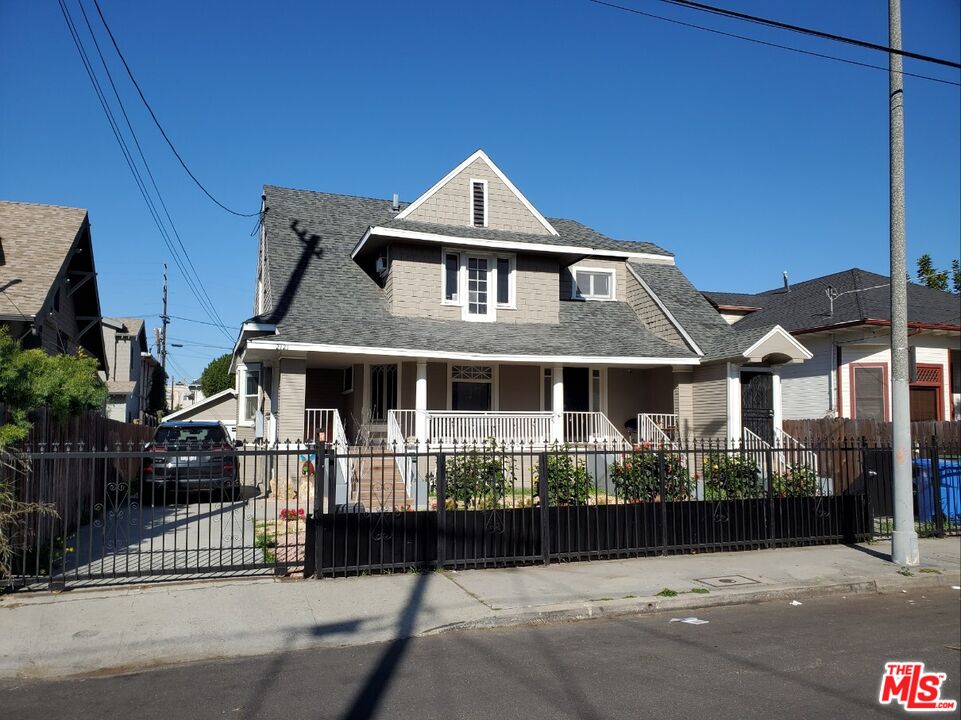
(376, 482)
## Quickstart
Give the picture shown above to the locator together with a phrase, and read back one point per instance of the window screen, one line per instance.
(869, 393)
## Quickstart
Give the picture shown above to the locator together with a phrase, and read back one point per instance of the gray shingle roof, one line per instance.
(719, 299)
(696, 315)
(319, 294)
(806, 306)
(34, 241)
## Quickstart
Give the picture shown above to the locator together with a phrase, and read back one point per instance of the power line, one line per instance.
(724, 12)
(199, 281)
(199, 322)
(157, 122)
(118, 136)
(766, 43)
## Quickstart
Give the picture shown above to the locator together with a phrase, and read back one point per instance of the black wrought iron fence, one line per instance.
(495, 505)
(142, 512)
(148, 511)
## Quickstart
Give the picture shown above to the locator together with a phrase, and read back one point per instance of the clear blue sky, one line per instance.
(743, 160)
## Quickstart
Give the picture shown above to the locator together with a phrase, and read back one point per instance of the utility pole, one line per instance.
(904, 539)
(164, 321)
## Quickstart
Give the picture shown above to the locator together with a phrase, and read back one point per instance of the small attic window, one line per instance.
(478, 203)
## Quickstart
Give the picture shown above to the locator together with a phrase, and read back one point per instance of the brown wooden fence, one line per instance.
(824, 431)
(72, 494)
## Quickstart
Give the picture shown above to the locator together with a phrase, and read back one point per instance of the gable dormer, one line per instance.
(477, 194)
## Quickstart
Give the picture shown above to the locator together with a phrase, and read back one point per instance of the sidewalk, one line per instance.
(129, 628)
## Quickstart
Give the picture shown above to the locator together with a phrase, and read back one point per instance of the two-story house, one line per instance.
(466, 315)
(130, 369)
(48, 279)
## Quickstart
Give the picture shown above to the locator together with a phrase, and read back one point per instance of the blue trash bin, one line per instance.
(949, 471)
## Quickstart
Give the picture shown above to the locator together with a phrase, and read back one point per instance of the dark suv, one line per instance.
(189, 456)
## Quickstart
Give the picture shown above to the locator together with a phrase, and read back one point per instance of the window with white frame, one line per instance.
(478, 283)
(471, 387)
(250, 390)
(593, 284)
(478, 203)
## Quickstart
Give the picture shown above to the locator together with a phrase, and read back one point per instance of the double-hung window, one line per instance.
(250, 393)
(593, 284)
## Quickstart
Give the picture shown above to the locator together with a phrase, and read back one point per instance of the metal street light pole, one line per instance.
(904, 539)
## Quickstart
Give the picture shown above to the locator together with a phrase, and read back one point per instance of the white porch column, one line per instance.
(557, 404)
(420, 404)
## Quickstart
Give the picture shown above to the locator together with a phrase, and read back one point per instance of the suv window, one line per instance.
(204, 434)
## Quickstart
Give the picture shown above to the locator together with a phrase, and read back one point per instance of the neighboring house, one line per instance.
(48, 279)
(844, 320)
(182, 394)
(220, 406)
(131, 367)
(467, 315)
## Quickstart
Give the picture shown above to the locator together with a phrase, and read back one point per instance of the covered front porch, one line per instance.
(440, 404)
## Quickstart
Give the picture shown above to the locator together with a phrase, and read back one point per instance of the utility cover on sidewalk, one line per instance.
(727, 581)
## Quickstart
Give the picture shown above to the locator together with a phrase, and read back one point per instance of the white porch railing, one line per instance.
(786, 453)
(658, 429)
(444, 427)
(510, 428)
(794, 452)
(324, 425)
(594, 428)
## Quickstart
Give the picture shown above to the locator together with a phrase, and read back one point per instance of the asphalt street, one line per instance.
(820, 659)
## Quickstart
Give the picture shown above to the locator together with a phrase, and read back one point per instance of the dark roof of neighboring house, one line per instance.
(729, 299)
(319, 294)
(35, 241)
(571, 233)
(805, 305)
(716, 338)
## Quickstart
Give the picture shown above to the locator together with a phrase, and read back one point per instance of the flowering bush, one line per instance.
(636, 477)
(568, 482)
(731, 476)
(291, 515)
(478, 478)
(798, 481)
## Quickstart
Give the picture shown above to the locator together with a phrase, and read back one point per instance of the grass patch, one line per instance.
(629, 597)
(667, 592)
(932, 571)
(700, 591)
(904, 571)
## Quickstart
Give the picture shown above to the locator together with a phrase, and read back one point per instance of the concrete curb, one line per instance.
(572, 612)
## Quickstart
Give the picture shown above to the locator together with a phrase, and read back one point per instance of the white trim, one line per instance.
(777, 329)
(511, 303)
(453, 173)
(778, 407)
(462, 293)
(401, 234)
(444, 252)
(576, 293)
(257, 344)
(242, 372)
(670, 316)
(470, 201)
(491, 272)
(203, 403)
(733, 402)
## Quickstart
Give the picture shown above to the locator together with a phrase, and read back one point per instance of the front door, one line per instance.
(757, 404)
(577, 389)
(383, 391)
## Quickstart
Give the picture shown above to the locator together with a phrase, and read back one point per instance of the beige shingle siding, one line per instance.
(451, 204)
(650, 313)
(415, 287)
(710, 402)
(290, 405)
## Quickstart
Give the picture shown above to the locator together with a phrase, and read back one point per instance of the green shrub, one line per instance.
(731, 476)
(568, 482)
(478, 478)
(636, 478)
(798, 481)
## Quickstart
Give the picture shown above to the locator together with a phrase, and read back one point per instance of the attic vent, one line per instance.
(478, 203)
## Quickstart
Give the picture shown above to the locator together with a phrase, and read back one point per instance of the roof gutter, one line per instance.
(878, 323)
